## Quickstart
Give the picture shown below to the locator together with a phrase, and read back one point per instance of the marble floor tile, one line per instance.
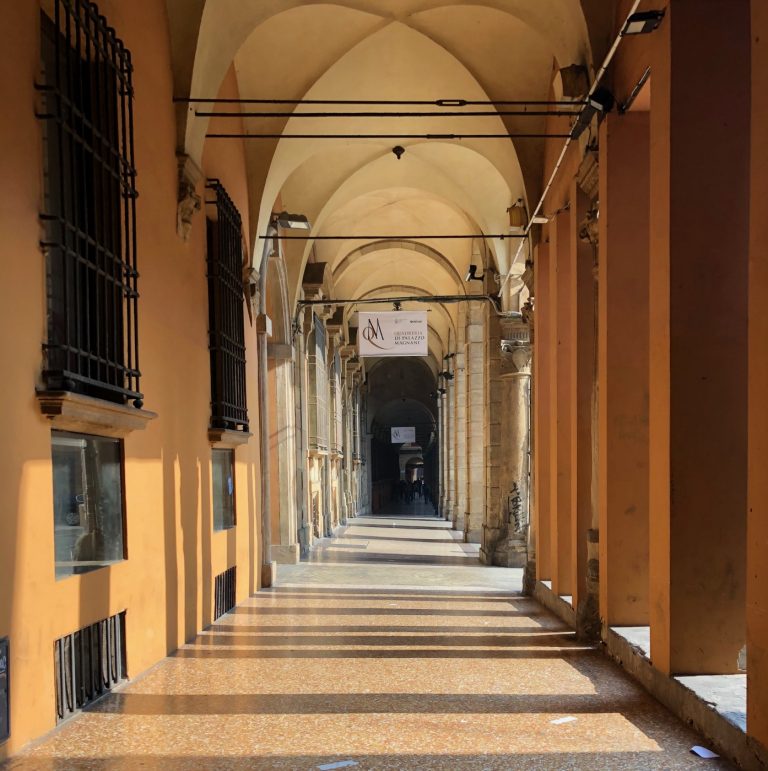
(391, 648)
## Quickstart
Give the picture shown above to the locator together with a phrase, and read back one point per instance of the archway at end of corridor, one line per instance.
(404, 463)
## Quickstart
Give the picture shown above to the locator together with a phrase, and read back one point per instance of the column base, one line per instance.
(305, 538)
(588, 624)
(517, 551)
(268, 575)
(472, 535)
(285, 555)
(529, 577)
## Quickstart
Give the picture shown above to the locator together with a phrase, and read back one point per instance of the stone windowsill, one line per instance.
(227, 439)
(69, 411)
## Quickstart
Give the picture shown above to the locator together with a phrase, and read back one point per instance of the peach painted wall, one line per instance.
(166, 584)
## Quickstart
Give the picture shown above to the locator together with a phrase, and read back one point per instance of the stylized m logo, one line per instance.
(373, 331)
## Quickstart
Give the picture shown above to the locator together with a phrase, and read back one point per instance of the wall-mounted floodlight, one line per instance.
(540, 219)
(447, 375)
(642, 22)
(601, 101)
(292, 221)
(472, 274)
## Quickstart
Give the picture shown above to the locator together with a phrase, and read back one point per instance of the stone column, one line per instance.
(476, 374)
(459, 423)
(447, 400)
(493, 514)
(302, 447)
(284, 496)
(699, 191)
(542, 384)
(757, 522)
(505, 537)
(442, 491)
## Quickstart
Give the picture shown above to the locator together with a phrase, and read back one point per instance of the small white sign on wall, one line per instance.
(393, 333)
(403, 434)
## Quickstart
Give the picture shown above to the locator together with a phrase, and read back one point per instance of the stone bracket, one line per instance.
(188, 201)
(226, 438)
(68, 411)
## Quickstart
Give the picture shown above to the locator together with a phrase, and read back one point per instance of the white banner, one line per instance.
(392, 333)
(403, 434)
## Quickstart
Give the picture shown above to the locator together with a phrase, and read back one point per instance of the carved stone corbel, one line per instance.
(188, 201)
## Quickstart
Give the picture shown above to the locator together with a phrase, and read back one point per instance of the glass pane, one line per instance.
(87, 502)
(223, 489)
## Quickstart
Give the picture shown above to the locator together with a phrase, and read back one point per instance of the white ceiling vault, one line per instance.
(484, 50)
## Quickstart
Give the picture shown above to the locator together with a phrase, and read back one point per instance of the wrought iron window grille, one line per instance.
(89, 210)
(226, 330)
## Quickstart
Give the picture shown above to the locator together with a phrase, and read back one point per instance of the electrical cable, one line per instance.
(387, 136)
(595, 84)
(369, 114)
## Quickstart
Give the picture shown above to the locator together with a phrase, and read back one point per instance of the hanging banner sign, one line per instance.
(392, 333)
(402, 434)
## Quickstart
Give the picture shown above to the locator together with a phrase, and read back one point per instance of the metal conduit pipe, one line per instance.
(267, 566)
(595, 83)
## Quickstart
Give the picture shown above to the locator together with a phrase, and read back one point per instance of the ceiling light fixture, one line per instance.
(292, 221)
(642, 22)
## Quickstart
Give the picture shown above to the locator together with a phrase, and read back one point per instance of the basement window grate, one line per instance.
(224, 592)
(88, 664)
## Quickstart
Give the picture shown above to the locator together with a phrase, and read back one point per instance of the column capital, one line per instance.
(515, 346)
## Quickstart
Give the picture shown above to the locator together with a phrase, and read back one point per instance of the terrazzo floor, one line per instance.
(391, 649)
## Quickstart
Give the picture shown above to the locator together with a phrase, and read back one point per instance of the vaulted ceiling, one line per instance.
(400, 50)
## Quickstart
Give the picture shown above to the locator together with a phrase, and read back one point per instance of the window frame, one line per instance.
(123, 501)
(231, 454)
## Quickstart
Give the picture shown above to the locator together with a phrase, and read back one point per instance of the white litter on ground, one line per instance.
(703, 752)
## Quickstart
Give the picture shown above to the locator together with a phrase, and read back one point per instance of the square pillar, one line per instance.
(757, 517)
(623, 368)
(561, 503)
(582, 325)
(699, 187)
(542, 429)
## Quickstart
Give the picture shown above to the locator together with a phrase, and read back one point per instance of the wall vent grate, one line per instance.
(224, 592)
(88, 663)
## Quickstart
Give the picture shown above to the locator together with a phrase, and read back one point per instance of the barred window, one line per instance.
(89, 208)
(226, 329)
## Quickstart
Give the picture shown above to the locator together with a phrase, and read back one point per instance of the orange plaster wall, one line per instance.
(166, 582)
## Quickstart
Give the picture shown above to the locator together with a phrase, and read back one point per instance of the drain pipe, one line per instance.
(268, 567)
